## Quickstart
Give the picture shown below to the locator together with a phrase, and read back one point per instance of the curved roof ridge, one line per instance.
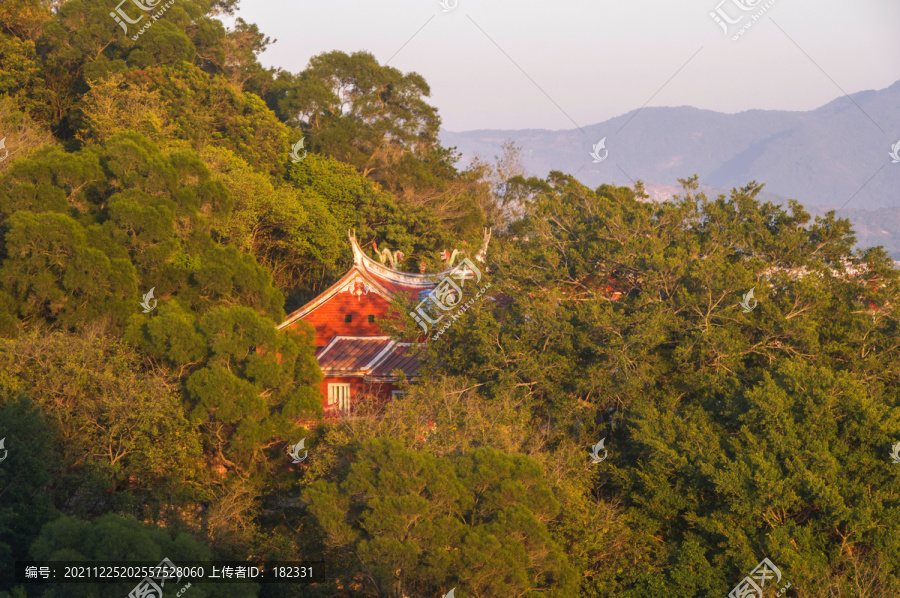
(396, 276)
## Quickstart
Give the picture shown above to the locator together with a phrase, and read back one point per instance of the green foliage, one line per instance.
(245, 381)
(116, 538)
(375, 118)
(299, 232)
(733, 435)
(81, 42)
(52, 180)
(20, 77)
(292, 233)
(28, 468)
(412, 522)
(164, 43)
(206, 110)
(359, 111)
(54, 273)
(84, 228)
(111, 418)
(357, 204)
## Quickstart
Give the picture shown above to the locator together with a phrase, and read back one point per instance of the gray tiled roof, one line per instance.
(375, 357)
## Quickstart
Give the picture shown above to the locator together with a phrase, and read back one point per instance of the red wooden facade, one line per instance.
(357, 360)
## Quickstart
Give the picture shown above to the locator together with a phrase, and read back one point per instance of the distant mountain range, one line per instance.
(834, 155)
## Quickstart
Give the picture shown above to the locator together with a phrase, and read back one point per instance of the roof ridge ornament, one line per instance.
(385, 254)
(391, 275)
(449, 258)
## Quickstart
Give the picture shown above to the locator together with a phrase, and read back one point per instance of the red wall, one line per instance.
(328, 319)
(328, 322)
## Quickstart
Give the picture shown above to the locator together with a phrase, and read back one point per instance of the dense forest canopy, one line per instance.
(162, 162)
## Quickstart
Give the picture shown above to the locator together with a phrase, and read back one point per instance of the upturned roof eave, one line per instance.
(389, 274)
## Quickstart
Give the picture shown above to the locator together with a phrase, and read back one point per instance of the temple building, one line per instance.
(358, 361)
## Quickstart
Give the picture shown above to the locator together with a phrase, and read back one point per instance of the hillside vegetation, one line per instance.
(163, 163)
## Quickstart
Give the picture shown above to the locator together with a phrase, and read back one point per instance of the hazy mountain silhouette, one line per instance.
(834, 155)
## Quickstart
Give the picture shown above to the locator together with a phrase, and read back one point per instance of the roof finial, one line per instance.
(394, 258)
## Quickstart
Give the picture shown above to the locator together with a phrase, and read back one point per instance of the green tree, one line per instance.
(291, 232)
(376, 119)
(54, 273)
(401, 521)
(84, 228)
(113, 421)
(28, 468)
(358, 204)
(359, 111)
(245, 382)
(731, 433)
(79, 43)
(124, 539)
(206, 110)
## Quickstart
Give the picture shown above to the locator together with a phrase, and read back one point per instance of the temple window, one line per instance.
(339, 394)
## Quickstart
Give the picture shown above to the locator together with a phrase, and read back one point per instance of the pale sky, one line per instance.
(504, 64)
